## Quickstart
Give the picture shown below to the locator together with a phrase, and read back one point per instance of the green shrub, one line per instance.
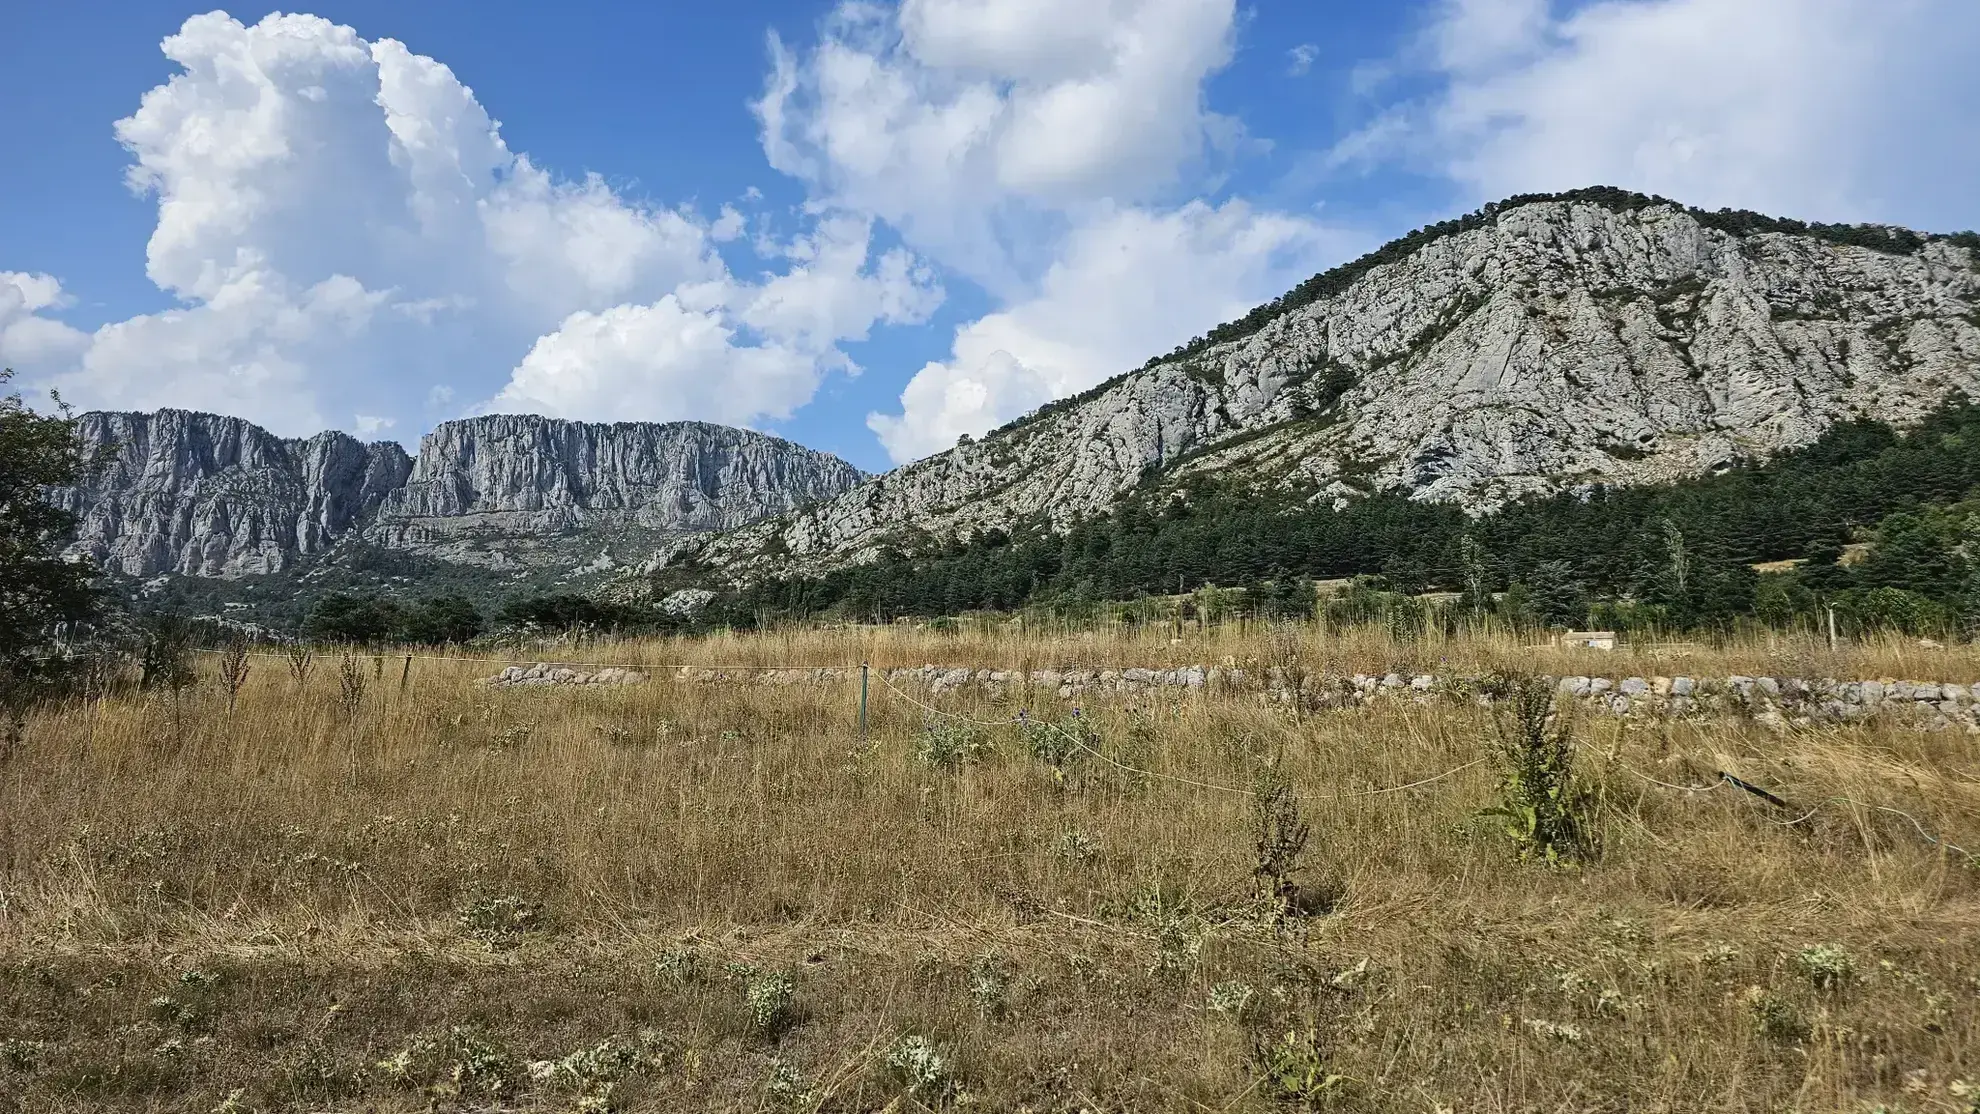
(990, 984)
(1827, 966)
(1295, 1069)
(1548, 811)
(501, 922)
(919, 1066)
(946, 744)
(770, 1000)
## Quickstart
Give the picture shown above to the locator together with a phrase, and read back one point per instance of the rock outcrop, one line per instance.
(496, 489)
(209, 496)
(1544, 345)
(202, 495)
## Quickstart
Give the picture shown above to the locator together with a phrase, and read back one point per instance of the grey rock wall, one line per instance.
(210, 496)
(522, 476)
(203, 495)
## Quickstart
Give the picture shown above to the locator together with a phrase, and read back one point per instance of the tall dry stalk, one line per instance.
(301, 660)
(1288, 660)
(1279, 835)
(351, 685)
(234, 667)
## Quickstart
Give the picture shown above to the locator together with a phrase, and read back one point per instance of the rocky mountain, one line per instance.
(203, 495)
(505, 489)
(1539, 344)
(208, 496)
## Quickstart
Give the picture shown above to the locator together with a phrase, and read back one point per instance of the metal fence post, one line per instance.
(862, 700)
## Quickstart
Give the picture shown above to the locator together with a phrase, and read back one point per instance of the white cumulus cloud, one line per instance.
(664, 360)
(1053, 153)
(1819, 109)
(28, 339)
(1128, 286)
(347, 232)
(969, 124)
(687, 355)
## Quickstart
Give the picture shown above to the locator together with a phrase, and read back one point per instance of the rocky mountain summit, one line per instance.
(209, 496)
(203, 495)
(1541, 344)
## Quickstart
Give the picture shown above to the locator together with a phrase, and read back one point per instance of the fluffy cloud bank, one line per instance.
(28, 339)
(345, 228)
(1031, 146)
(1820, 109)
(1825, 109)
(1127, 286)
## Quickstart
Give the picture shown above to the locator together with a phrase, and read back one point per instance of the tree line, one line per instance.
(361, 618)
(1876, 521)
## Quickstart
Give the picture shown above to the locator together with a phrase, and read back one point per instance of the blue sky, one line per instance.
(871, 227)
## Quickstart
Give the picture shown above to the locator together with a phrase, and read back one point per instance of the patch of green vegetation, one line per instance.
(1676, 555)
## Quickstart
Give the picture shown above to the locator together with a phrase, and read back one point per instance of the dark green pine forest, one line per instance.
(1883, 524)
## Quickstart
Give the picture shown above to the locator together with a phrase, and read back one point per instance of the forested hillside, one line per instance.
(1676, 555)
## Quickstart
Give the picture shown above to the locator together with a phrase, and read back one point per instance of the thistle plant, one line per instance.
(770, 1001)
(350, 683)
(946, 744)
(1827, 966)
(1279, 836)
(919, 1066)
(990, 984)
(1548, 810)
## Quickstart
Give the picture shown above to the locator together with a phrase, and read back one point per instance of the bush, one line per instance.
(165, 654)
(946, 744)
(440, 621)
(1891, 609)
(357, 620)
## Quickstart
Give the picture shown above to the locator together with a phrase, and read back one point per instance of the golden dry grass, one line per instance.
(308, 906)
(1011, 644)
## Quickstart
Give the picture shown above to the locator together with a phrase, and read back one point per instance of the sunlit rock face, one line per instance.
(1555, 345)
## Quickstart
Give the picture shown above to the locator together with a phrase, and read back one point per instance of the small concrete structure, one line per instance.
(1590, 639)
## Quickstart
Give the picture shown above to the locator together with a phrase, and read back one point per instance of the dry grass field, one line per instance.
(346, 893)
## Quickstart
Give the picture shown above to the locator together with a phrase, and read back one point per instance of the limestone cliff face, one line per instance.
(522, 479)
(1557, 343)
(204, 495)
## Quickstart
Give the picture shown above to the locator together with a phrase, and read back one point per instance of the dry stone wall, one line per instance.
(1773, 701)
(542, 675)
